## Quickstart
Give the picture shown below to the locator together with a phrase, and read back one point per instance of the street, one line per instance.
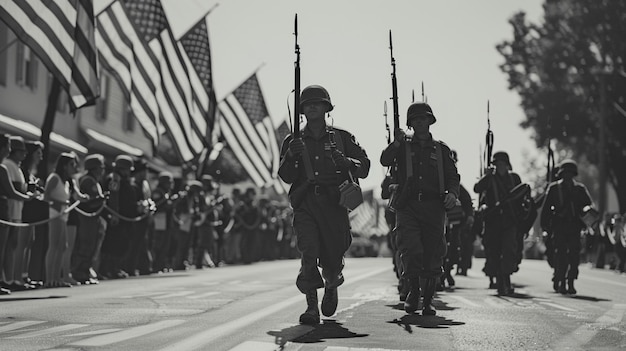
(256, 307)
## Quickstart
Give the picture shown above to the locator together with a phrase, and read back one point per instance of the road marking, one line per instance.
(176, 294)
(577, 339)
(48, 331)
(200, 340)
(127, 334)
(143, 295)
(200, 296)
(465, 301)
(96, 332)
(18, 325)
(255, 345)
(557, 306)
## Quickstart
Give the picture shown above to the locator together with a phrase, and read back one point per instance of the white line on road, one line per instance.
(18, 325)
(198, 341)
(465, 301)
(48, 331)
(127, 334)
(577, 339)
(558, 306)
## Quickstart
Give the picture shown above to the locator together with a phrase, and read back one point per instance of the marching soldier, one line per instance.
(430, 186)
(500, 223)
(320, 222)
(561, 215)
(163, 221)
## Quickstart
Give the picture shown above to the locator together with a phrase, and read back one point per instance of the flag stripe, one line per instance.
(61, 34)
(244, 129)
(246, 153)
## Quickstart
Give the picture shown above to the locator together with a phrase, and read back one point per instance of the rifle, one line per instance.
(387, 124)
(394, 87)
(488, 141)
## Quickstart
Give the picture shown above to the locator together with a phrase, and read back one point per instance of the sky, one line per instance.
(344, 45)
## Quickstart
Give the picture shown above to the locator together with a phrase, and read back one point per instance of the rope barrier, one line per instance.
(31, 224)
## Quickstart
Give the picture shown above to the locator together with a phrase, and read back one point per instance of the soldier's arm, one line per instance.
(481, 185)
(546, 212)
(288, 168)
(390, 154)
(452, 178)
(358, 157)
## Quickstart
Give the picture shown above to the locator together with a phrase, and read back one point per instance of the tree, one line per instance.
(559, 67)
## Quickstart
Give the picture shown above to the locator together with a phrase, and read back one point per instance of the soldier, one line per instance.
(321, 224)
(500, 231)
(90, 228)
(561, 215)
(429, 186)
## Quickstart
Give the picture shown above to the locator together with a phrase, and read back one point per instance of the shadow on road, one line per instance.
(409, 321)
(328, 329)
(439, 305)
(7, 299)
(586, 298)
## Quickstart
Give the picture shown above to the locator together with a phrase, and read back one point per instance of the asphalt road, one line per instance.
(256, 307)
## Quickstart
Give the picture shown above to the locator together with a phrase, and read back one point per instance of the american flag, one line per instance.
(183, 119)
(196, 46)
(123, 54)
(61, 33)
(249, 132)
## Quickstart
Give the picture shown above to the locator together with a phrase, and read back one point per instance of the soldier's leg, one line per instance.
(573, 260)
(411, 251)
(434, 242)
(309, 278)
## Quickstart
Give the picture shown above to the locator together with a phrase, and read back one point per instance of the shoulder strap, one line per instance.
(440, 166)
(339, 140)
(409, 159)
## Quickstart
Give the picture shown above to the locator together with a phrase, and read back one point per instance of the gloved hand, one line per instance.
(340, 160)
(399, 136)
(296, 146)
(449, 200)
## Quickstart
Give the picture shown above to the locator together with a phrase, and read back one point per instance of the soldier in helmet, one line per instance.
(429, 184)
(500, 231)
(321, 224)
(561, 214)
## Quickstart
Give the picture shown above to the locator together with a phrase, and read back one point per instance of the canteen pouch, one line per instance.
(350, 195)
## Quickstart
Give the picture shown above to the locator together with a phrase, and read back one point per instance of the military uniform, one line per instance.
(500, 224)
(419, 205)
(561, 216)
(321, 224)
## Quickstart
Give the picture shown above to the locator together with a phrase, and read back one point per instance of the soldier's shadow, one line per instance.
(439, 305)
(409, 321)
(328, 329)
(586, 298)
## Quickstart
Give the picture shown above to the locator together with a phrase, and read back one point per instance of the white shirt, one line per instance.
(15, 176)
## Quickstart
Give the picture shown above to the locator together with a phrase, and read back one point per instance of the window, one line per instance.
(4, 42)
(26, 68)
(102, 101)
(129, 118)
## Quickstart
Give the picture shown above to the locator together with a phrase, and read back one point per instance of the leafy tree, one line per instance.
(559, 68)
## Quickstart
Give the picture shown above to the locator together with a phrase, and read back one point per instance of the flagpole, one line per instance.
(48, 124)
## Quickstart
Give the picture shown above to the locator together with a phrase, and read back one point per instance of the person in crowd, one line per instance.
(57, 194)
(315, 164)
(428, 185)
(215, 220)
(18, 236)
(563, 208)
(233, 229)
(72, 226)
(7, 191)
(139, 259)
(189, 211)
(164, 226)
(34, 211)
(91, 225)
(123, 204)
(500, 232)
(249, 219)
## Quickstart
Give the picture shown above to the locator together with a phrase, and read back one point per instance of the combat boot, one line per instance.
(562, 287)
(312, 315)
(403, 289)
(555, 285)
(570, 287)
(428, 288)
(411, 304)
(329, 301)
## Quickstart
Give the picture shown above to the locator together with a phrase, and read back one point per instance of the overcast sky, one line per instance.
(448, 45)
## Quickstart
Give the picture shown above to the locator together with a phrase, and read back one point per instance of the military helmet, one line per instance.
(315, 93)
(501, 156)
(568, 166)
(420, 109)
